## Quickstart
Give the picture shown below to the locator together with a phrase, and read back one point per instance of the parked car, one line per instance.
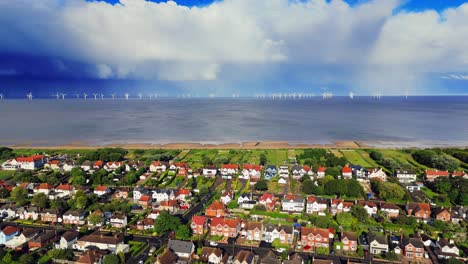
(213, 244)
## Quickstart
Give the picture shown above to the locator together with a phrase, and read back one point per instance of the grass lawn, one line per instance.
(277, 156)
(429, 193)
(4, 174)
(274, 187)
(336, 152)
(367, 158)
(356, 158)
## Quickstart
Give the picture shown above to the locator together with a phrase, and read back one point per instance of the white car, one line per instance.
(213, 244)
(280, 250)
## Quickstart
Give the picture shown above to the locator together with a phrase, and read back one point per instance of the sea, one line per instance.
(389, 121)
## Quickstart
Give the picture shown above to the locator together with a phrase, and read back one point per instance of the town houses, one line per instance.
(431, 175)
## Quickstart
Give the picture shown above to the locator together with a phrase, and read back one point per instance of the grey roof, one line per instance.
(270, 258)
(270, 227)
(179, 246)
(416, 242)
(380, 239)
(287, 229)
(296, 167)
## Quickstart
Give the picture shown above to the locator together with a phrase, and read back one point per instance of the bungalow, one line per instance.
(160, 195)
(91, 256)
(267, 200)
(216, 209)
(211, 255)
(421, 211)
(244, 257)
(377, 173)
(113, 165)
(49, 216)
(52, 164)
(42, 239)
(224, 227)
(159, 166)
(431, 175)
(210, 171)
(44, 188)
(370, 207)
(390, 210)
(321, 172)
(293, 203)
(86, 165)
(198, 225)
(255, 231)
(67, 240)
(442, 214)
(145, 201)
(8, 233)
(74, 217)
(316, 205)
(461, 174)
(97, 165)
(65, 190)
(183, 194)
(145, 224)
(227, 197)
(313, 237)
(406, 176)
(349, 240)
(413, 248)
(347, 172)
(446, 249)
(68, 165)
(114, 243)
(378, 244)
(228, 170)
(251, 171)
(101, 190)
(118, 220)
(183, 249)
(270, 172)
(135, 165)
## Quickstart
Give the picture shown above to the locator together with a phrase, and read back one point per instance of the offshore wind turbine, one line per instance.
(57, 96)
(102, 96)
(85, 96)
(113, 96)
(29, 96)
(77, 96)
(126, 96)
(351, 95)
(140, 96)
(1, 96)
(95, 96)
(63, 96)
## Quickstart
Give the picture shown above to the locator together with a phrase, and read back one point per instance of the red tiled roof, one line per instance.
(181, 164)
(311, 199)
(230, 166)
(64, 187)
(116, 163)
(101, 188)
(322, 169)
(9, 230)
(347, 170)
(436, 173)
(184, 191)
(232, 223)
(44, 186)
(290, 197)
(336, 201)
(315, 231)
(54, 162)
(156, 163)
(97, 163)
(145, 198)
(24, 159)
(168, 203)
(252, 167)
(199, 220)
(458, 173)
(306, 168)
(267, 196)
(216, 205)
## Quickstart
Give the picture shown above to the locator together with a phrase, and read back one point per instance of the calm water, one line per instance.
(415, 121)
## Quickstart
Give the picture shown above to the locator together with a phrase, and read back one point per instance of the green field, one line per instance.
(4, 174)
(357, 158)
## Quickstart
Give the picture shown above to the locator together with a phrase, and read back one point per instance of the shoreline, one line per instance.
(244, 145)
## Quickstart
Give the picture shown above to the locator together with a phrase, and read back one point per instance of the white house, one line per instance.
(118, 220)
(67, 240)
(228, 170)
(446, 249)
(26, 163)
(87, 165)
(210, 171)
(244, 198)
(101, 190)
(321, 172)
(377, 173)
(76, 217)
(68, 165)
(406, 176)
(112, 166)
(113, 243)
(8, 211)
(293, 203)
(161, 195)
(251, 171)
(378, 244)
(227, 197)
(283, 171)
(282, 180)
(183, 249)
(316, 205)
(159, 166)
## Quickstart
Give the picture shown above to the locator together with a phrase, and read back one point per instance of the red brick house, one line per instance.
(442, 214)
(421, 211)
(349, 240)
(413, 248)
(255, 231)
(267, 200)
(224, 227)
(145, 201)
(198, 225)
(216, 209)
(314, 237)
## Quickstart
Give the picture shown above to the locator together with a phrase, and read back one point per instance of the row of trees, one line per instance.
(388, 190)
(330, 186)
(435, 159)
(321, 157)
(390, 164)
(455, 190)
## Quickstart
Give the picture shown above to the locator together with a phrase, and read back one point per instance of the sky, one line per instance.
(225, 47)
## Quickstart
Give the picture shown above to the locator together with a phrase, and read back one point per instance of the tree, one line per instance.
(354, 188)
(77, 176)
(392, 256)
(58, 204)
(111, 259)
(360, 251)
(360, 213)
(40, 200)
(183, 232)
(19, 195)
(346, 220)
(26, 259)
(443, 185)
(261, 185)
(7, 259)
(263, 159)
(4, 193)
(166, 222)
(95, 218)
(308, 187)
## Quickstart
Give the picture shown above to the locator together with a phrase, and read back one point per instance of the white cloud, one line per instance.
(139, 39)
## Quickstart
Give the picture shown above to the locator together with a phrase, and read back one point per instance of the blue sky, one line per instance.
(233, 46)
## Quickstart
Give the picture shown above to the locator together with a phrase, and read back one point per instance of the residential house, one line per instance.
(74, 217)
(461, 174)
(113, 165)
(183, 194)
(286, 234)
(52, 164)
(97, 165)
(446, 249)
(97, 214)
(160, 195)
(294, 259)
(377, 173)
(183, 249)
(7, 233)
(121, 193)
(316, 205)
(224, 227)
(167, 257)
(154, 214)
(65, 190)
(350, 241)
(270, 258)
(91, 256)
(67, 240)
(182, 168)
(172, 206)
(49, 216)
(44, 188)
(358, 171)
(293, 203)
(68, 165)
(42, 239)
(135, 165)
(370, 207)
(139, 191)
(406, 176)
(364, 241)
(210, 171)
(283, 171)
(101, 190)
(270, 172)
(251, 171)
(114, 243)
(313, 237)
(339, 206)
(267, 200)
(245, 197)
(389, 209)
(421, 211)
(211, 255)
(321, 172)
(411, 187)
(413, 248)
(347, 172)
(282, 180)
(297, 172)
(442, 214)
(198, 225)
(145, 201)
(145, 224)
(431, 175)
(216, 209)
(26, 163)
(255, 231)
(159, 166)
(86, 165)
(244, 257)
(8, 211)
(226, 197)
(228, 170)
(118, 220)
(378, 244)
(28, 213)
